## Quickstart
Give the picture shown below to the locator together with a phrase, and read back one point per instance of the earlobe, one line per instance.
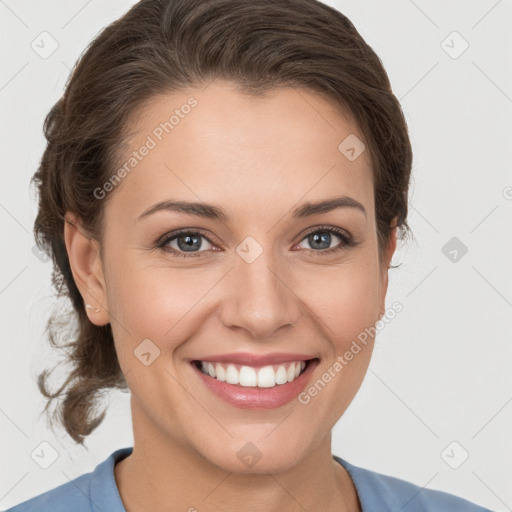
(86, 267)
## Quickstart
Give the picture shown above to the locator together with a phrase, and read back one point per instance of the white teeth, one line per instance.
(247, 376)
(220, 373)
(291, 373)
(232, 375)
(266, 377)
(281, 376)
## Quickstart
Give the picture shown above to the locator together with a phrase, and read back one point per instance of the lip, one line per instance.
(245, 358)
(245, 397)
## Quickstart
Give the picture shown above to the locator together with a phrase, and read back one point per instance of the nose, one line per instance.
(258, 297)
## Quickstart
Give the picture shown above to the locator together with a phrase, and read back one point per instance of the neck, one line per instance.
(163, 473)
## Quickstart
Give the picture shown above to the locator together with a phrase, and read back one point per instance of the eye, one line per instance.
(184, 243)
(321, 238)
(187, 243)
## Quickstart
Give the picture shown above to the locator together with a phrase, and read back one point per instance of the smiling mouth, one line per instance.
(250, 376)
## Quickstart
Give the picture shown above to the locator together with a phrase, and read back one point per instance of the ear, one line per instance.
(388, 255)
(86, 267)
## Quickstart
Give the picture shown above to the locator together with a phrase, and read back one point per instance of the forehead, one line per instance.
(220, 146)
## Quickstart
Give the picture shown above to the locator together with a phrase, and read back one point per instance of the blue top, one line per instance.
(97, 492)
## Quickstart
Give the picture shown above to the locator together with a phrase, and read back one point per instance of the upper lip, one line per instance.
(245, 358)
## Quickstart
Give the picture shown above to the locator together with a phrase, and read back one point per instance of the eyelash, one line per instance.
(347, 241)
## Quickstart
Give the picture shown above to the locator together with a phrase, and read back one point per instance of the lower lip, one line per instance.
(258, 398)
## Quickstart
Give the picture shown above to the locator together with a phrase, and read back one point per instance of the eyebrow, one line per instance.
(211, 211)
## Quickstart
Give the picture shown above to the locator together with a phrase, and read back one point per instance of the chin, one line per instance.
(255, 457)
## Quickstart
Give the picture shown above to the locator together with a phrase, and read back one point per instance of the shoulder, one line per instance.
(71, 495)
(92, 492)
(386, 493)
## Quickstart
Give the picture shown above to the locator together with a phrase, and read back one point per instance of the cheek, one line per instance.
(155, 302)
(345, 298)
(152, 301)
(345, 301)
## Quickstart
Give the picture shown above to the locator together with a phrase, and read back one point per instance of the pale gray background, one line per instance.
(441, 370)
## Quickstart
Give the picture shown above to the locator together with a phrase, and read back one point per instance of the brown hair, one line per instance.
(161, 46)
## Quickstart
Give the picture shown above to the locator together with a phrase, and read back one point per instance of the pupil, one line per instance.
(315, 238)
(189, 242)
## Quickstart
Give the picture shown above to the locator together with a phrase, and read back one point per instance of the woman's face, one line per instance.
(265, 279)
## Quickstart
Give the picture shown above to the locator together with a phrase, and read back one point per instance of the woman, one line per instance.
(221, 194)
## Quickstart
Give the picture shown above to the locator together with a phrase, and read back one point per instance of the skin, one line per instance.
(258, 158)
